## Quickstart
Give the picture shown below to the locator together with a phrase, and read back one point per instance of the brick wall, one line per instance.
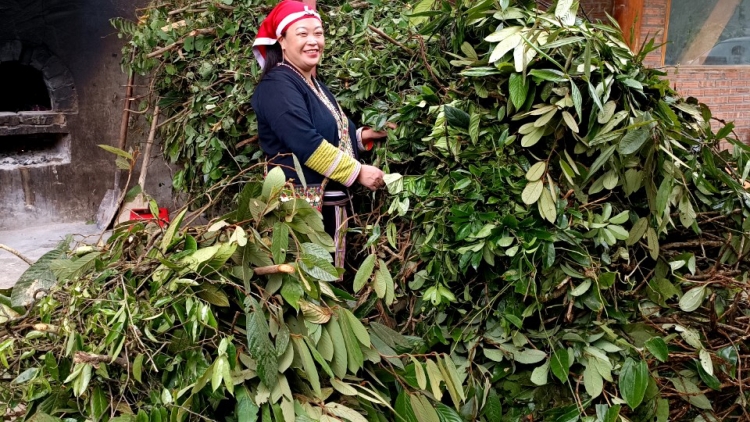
(597, 9)
(726, 89)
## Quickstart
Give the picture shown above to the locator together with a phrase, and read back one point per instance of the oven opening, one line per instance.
(22, 89)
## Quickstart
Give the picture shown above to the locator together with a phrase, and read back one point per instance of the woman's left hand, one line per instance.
(369, 135)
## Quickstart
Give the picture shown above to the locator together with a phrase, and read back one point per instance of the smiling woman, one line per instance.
(300, 123)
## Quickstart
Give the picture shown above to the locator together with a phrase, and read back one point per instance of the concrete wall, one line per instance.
(78, 35)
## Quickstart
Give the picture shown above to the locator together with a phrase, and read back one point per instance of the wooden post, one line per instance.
(629, 14)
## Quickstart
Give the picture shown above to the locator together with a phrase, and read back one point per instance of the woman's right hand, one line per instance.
(371, 177)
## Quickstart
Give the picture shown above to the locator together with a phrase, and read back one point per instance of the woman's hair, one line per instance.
(274, 56)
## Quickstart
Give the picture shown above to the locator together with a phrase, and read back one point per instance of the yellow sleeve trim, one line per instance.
(334, 164)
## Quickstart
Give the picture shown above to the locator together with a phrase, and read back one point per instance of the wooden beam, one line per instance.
(709, 34)
(629, 14)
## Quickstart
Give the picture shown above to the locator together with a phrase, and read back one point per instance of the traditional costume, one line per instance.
(296, 117)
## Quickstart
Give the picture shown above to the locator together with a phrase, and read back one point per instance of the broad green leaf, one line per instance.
(540, 373)
(637, 232)
(658, 348)
(532, 192)
(38, 277)
(420, 374)
(691, 393)
(308, 365)
(260, 347)
(536, 171)
(706, 363)
(606, 113)
(138, 367)
(504, 46)
(532, 138)
(633, 140)
(435, 377)
(633, 381)
(280, 242)
(354, 357)
(339, 363)
(653, 242)
(423, 409)
(493, 408)
(446, 414)
(593, 381)
(519, 89)
(560, 364)
(364, 272)
(547, 206)
(344, 412)
(245, 409)
(273, 183)
(570, 121)
(693, 299)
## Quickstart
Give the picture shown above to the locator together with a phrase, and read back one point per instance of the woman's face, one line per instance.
(303, 43)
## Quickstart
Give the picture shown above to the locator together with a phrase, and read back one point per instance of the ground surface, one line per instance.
(34, 241)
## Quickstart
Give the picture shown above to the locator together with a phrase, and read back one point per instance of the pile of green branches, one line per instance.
(564, 237)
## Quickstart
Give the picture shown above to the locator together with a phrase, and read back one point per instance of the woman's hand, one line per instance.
(369, 135)
(371, 177)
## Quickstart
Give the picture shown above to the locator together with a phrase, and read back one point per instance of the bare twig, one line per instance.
(389, 39)
(16, 253)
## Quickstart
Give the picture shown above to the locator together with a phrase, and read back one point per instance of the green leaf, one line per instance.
(658, 348)
(339, 363)
(519, 89)
(705, 360)
(37, 278)
(551, 75)
(653, 243)
(138, 367)
(536, 171)
(213, 294)
(633, 381)
(457, 117)
(308, 365)
(117, 151)
(245, 410)
(358, 329)
(280, 242)
(493, 409)
(592, 381)
(691, 393)
(273, 183)
(423, 409)
(446, 414)
(532, 192)
(260, 347)
(637, 232)
(633, 140)
(169, 235)
(693, 299)
(539, 374)
(560, 364)
(364, 272)
(547, 206)
(354, 357)
(435, 377)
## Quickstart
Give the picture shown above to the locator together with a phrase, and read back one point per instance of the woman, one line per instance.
(298, 116)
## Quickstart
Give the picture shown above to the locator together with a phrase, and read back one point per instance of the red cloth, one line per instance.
(284, 14)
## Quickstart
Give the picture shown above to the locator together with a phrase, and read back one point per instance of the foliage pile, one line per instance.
(568, 241)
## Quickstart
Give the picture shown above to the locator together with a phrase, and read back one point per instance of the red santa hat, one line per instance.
(284, 14)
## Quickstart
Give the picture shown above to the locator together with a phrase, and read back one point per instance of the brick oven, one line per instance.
(61, 94)
(37, 96)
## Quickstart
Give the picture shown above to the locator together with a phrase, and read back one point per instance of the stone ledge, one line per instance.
(32, 129)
